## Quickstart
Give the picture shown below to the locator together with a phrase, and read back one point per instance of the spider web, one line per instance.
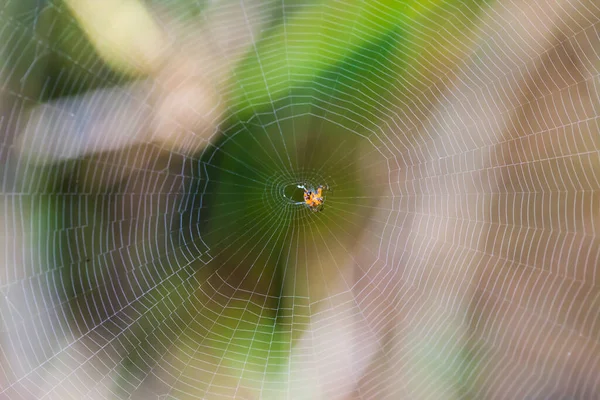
(456, 256)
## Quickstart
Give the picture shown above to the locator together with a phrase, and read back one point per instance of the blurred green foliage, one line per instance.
(303, 103)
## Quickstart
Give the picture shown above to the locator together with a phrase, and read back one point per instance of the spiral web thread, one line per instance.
(457, 255)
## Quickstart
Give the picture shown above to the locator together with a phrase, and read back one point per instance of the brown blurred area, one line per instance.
(493, 278)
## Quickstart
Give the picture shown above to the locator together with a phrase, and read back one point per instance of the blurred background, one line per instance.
(153, 239)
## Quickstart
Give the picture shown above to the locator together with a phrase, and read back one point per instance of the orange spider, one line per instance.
(314, 198)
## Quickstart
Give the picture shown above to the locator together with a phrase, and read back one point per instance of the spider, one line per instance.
(314, 198)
